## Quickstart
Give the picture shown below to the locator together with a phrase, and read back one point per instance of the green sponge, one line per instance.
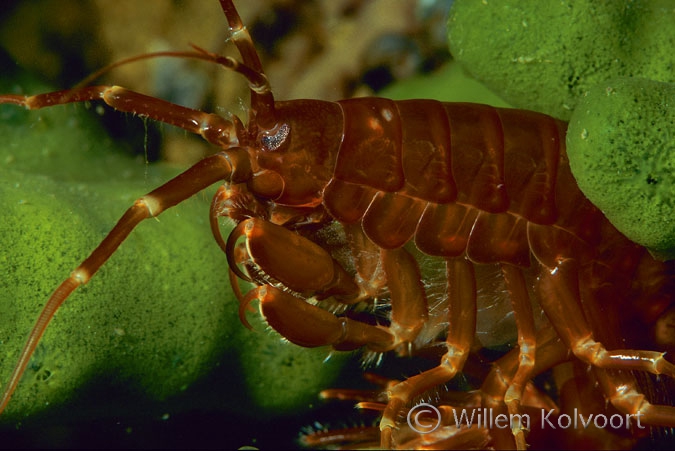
(621, 147)
(543, 55)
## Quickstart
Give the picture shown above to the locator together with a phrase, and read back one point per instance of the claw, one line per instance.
(231, 252)
(291, 259)
(310, 326)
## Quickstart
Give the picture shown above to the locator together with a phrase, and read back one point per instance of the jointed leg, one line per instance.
(550, 351)
(409, 311)
(520, 300)
(560, 300)
(203, 174)
(461, 332)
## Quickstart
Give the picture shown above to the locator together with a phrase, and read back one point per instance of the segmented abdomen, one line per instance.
(458, 178)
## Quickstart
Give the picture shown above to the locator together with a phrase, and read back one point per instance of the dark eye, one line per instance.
(274, 138)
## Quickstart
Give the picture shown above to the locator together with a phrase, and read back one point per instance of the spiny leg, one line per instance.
(522, 309)
(398, 270)
(560, 300)
(366, 399)
(550, 351)
(622, 392)
(461, 331)
(409, 311)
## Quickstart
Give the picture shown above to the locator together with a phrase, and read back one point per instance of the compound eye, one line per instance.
(274, 138)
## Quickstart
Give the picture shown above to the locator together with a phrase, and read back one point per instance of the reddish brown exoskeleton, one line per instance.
(411, 205)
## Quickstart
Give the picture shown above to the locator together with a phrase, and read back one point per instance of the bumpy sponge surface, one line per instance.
(622, 152)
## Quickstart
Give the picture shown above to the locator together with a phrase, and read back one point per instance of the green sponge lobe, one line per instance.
(544, 55)
(622, 152)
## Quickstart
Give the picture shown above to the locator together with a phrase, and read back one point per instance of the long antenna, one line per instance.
(262, 100)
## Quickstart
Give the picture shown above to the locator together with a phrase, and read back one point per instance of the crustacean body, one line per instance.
(407, 205)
